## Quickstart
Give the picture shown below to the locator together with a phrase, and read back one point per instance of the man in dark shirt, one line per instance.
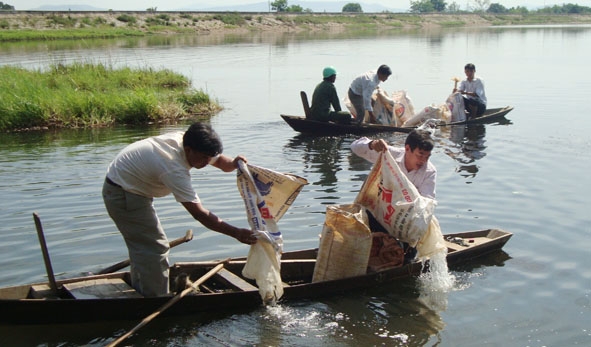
(325, 96)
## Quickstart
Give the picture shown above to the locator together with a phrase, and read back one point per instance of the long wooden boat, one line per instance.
(312, 127)
(110, 297)
(491, 115)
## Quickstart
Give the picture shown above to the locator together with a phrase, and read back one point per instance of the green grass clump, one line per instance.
(88, 95)
(233, 19)
(67, 34)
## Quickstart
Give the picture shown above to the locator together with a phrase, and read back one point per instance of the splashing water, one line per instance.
(435, 284)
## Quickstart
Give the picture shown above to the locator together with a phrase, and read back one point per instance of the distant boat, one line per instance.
(305, 125)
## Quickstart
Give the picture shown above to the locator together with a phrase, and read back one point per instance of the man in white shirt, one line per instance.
(472, 89)
(362, 88)
(413, 158)
(155, 167)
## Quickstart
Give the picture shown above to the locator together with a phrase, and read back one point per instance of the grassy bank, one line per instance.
(86, 95)
(28, 25)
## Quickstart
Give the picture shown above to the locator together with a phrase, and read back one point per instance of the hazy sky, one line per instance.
(171, 5)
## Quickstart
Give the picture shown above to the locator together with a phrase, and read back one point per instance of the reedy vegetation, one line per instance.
(87, 95)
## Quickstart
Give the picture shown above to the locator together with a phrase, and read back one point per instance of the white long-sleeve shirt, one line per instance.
(423, 179)
(474, 86)
(365, 85)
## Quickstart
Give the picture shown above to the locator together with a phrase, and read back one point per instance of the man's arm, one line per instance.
(334, 99)
(427, 188)
(368, 149)
(213, 222)
(226, 163)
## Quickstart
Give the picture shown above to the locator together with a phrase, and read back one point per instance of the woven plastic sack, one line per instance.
(345, 243)
(432, 242)
(267, 196)
(455, 103)
(428, 112)
(395, 202)
(385, 252)
(383, 108)
(403, 107)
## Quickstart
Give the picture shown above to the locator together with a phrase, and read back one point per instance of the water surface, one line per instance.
(527, 176)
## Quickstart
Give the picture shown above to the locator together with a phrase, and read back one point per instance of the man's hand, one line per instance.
(378, 145)
(239, 157)
(245, 236)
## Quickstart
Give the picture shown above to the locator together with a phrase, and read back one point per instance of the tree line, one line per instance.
(425, 6)
(441, 6)
(479, 6)
(6, 7)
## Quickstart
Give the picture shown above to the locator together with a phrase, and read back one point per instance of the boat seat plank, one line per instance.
(41, 291)
(101, 289)
(235, 281)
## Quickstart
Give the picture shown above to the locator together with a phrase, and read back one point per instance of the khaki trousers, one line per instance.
(147, 244)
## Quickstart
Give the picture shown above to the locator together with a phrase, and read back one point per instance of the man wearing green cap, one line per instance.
(325, 96)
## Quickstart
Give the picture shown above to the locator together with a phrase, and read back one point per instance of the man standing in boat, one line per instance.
(325, 96)
(361, 90)
(472, 89)
(155, 167)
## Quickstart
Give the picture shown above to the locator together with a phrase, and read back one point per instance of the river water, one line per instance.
(528, 175)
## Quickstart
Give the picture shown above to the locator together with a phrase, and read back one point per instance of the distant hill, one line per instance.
(64, 8)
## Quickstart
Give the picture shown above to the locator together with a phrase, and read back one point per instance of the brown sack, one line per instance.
(345, 243)
(385, 252)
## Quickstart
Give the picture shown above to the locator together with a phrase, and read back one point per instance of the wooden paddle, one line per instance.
(171, 302)
(48, 267)
(120, 265)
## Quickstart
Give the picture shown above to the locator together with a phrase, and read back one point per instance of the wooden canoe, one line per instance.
(110, 297)
(491, 115)
(312, 127)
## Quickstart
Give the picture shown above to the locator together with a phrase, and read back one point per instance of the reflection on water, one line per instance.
(320, 155)
(467, 146)
(59, 175)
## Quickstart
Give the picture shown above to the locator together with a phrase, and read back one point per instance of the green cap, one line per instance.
(328, 71)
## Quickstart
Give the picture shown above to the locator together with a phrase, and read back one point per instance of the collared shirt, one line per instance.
(423, 179)
(155, 167)
(364, 85)
(474, 86)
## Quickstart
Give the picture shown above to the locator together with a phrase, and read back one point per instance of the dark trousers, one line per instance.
(474, 106)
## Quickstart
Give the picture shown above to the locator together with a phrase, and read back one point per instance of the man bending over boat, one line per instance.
(325, 96)
(155, 167)
(413, 160)
(472, 89)
(362, 88)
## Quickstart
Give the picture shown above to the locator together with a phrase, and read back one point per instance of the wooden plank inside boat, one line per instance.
(235, 281)
(41, 291)
(101, 289)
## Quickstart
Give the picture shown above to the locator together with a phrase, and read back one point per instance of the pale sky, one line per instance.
(172, 5)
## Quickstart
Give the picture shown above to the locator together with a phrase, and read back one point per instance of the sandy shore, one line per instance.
(215, 22)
